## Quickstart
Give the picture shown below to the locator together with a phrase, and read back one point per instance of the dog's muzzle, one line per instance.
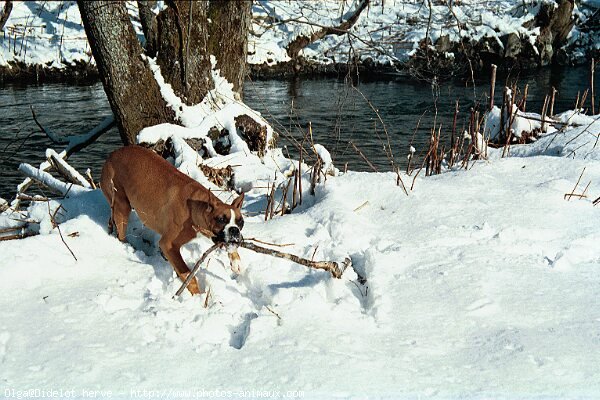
(231, 235)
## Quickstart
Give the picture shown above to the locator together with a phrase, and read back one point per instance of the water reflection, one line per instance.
(337, 111)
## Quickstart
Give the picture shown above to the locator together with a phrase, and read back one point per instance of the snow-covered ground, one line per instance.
(51, 33)
(481, 284)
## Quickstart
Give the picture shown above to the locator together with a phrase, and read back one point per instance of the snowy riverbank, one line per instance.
(43, 40)
(481, 283)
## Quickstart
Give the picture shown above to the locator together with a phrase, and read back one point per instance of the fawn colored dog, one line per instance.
(168, 202)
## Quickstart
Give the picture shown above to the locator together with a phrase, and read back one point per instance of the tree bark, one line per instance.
(228, 38)
(8, 5)
(182, 49)
(132, 91)
(148, 21)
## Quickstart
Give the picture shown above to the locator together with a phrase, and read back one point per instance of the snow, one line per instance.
(481, 283)
(219, 108)
(51, 33)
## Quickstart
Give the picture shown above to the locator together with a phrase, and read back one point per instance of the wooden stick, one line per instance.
(330, 266)
(270, 244)
(195, 269)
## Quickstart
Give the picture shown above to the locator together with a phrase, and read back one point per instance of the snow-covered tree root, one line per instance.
(330, 266)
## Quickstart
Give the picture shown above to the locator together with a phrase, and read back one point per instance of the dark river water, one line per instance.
(338, 114)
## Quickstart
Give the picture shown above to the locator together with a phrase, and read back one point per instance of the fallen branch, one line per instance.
(21, 235)
(330, 266)
(48, 180)
(65, 170)
(77, 142)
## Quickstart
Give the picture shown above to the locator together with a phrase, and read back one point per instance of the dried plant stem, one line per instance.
(524, 100)
(360, 153)
(553, 97)
(569, 195)
(492, 87)
(592, 86)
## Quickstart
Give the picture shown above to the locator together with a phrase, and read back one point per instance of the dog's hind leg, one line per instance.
(120, 216)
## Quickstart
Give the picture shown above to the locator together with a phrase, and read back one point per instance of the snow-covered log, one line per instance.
(64, 169)
(44, 178)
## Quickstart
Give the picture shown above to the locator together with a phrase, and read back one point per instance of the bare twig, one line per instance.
(360, 153)
(569, 195)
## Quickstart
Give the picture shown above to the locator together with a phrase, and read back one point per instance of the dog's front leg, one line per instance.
(171, 251)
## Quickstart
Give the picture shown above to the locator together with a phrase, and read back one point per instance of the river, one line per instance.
(338, 113)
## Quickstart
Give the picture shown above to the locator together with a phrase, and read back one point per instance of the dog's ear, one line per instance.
(237, 203)
(199, 206)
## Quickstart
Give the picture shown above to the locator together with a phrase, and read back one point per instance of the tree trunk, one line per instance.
(228, 38)
(182, 49)
(148, 21)
(5, 13)
(132, 91)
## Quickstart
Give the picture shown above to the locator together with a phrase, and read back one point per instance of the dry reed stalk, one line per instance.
(511, 120)
(295, 195)
(315, 176)
(272, 201)
(284, 196)
(300, 175)
(552, 101)
(524, 99)
(585, 190)
(400, 181)
(569, 195)
(88, 175)
(544, 108)
(453, 135)
(593, 67)
(360, 153)
(268, 202)
(492, 86)
(583, 98)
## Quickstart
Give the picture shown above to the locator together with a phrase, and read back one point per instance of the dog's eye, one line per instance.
(240, 223)
(221, 220)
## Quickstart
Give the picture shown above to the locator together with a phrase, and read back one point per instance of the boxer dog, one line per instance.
(170, 203)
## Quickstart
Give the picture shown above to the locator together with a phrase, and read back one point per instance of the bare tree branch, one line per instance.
(302, 41)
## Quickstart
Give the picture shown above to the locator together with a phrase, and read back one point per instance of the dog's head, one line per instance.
(222, 222)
